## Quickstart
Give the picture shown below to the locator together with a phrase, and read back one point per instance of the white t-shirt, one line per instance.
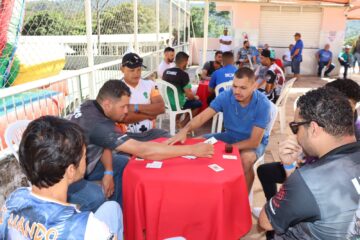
(142, 94)
(96, 229)
(163, 66)
(223, 47)
(287, 55)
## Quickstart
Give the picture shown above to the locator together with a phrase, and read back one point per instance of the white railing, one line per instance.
(61, 94)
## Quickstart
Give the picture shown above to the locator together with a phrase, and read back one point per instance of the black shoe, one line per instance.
(326, 75)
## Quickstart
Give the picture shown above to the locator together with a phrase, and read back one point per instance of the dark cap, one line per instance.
(132, 60)
(297, 34)
(268, 53)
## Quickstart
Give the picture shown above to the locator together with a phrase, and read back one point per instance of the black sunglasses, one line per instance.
(294, 126)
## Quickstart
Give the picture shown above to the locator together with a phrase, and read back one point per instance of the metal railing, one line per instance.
(61, 94)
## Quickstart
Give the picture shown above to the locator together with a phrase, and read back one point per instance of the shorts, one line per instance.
(192, 104)
(228, 138)
(295, 66)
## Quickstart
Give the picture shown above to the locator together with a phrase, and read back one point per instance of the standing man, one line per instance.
(324, 58)
(296, 55)
(318, 200)
(247, 114)
(345, 59)
(356, 52)
(225, 41)
(167, 62)
(211, 66)
(146, 102)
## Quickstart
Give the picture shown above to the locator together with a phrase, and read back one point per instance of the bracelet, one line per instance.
(290, 167)
(109, 173)
(136, 108)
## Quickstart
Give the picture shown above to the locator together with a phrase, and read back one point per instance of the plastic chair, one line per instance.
(163, 86)
(261, 160)
(217, 121)
(13, 135)
(281, 103)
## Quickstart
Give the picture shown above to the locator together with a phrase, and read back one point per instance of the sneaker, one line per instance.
(256, 211)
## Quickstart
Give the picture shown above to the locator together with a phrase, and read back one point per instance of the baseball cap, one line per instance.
(132, 60)
(347, 46)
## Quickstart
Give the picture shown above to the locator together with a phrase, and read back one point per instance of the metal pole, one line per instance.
(157, 31)
(136, 27)
(206, 28)
(184, 22)
(178, 25)
(170, 23)
(90, 52)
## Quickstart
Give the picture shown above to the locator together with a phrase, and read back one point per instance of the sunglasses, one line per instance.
(294, 126)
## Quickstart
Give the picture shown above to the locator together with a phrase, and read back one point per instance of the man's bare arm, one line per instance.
(264, 221)
(252, 142)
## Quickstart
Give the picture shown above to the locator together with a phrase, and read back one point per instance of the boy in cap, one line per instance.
(345, 59)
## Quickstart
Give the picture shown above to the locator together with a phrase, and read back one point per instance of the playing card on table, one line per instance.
(139, 159)
(211, 140)
(155, 164)
(216, 167)
(230, 157)
(189, 157)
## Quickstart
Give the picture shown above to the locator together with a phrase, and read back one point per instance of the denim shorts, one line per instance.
(192, 104)
(228, 138)
(295, 66)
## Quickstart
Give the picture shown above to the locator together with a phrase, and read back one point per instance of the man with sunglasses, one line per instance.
(318, 200)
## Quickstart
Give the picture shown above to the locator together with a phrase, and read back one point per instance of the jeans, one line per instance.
(346, 65)
(295, 66)
(110, 213)
(322, 65)
(356, 59)
(119, 163)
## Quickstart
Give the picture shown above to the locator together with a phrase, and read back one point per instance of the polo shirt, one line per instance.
(224, 74)
(180, 79)
(239, 121)
(298, 45)
(346, 56)
(324, 56)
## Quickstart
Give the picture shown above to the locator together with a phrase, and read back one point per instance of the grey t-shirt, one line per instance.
(100, 132)
(318, 201)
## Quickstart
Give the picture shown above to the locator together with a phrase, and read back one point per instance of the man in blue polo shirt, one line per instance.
(324, 58)
(296, 55)
(247, 114)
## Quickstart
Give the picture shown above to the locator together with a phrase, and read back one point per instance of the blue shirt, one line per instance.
(298, 45)
(239, 121)
(324, 55)
(222, 75)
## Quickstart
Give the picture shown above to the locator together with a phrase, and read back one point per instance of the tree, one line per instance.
(99, 6)
(44, 23)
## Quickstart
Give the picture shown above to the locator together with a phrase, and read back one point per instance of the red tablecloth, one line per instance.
(186, 198)
(203, 93)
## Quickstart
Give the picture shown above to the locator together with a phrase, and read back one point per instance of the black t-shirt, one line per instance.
(318, 201)
(177, 77)
(210, 68)
(100, 131)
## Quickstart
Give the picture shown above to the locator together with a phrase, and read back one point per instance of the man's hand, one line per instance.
(196, 97)
(179, 137)
(202, 150)
(108, 185)
(289, 151)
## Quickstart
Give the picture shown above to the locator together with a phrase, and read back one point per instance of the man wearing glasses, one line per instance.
(318, 200)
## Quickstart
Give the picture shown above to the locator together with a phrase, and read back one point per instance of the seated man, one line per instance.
(318, 200)
(146, 102)
(274, 76)
(287, 57)
(52, 154)
(167, 62)
(180, 79)
(324, 58)
(98, 119)
(224, 74)
(246, 54)
(247, 114)
(212, 66)
(345, 59)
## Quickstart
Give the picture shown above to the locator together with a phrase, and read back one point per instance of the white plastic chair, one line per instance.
(261, 160)
(217, 121)
(163, 86)
(281, 103)
(13, 135)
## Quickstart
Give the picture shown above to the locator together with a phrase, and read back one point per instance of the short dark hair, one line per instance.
(48, 146)
(227, 54)
(181, 57)
(245, 72)
(169, 49)
(348, 87)
(113, 89)
(330, 109)
(218, 52)
(246, 41)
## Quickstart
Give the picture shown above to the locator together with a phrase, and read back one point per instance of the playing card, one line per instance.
(211, 140)
(216, 167)
(139, 159)
(155, 164)
(230, 157)
(189, 157)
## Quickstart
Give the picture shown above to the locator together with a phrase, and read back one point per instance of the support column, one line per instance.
(90, 51)
(206, 31)
(136, 27)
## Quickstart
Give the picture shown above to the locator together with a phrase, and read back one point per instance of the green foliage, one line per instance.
(352, 32)
(217, 21)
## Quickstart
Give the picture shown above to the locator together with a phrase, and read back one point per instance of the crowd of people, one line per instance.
(76, 166)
